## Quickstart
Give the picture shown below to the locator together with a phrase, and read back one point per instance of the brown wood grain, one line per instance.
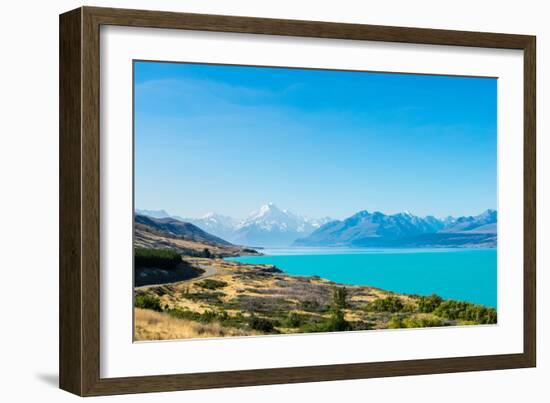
(70, 271)
(80, 200)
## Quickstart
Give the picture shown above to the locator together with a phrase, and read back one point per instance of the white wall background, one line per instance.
(29, 198)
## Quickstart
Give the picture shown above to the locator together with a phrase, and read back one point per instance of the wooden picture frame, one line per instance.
(79, 346)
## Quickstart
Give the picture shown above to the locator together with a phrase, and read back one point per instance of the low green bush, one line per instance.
(390, 304)
(459, 310)
(293, 320)
(261, 324)
(429, 304)
(334, 323)
(211, 284)
(148, 302)
(397, 322)
(337, 323)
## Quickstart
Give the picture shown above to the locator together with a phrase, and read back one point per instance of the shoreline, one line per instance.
(255, 299)
(357, 251)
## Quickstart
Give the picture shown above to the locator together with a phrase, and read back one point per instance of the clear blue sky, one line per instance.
(317, 142)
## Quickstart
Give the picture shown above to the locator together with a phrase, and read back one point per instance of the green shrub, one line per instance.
(158, 258)
(339, 295)
(293, 320)
(148, 302)
(337, 323)
(429, 304)
(398, 322)
(210, 284)
(459, 310)
(418, 321)
(390, 304)
(261, 324)
(208, 297)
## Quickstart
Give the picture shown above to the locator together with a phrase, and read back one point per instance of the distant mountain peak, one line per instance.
(268, 211)
(404, 229)
(362, 213)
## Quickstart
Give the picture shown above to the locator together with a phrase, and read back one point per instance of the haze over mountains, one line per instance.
(175, 227)
(269, 226)
(273, 227)
(365, 229)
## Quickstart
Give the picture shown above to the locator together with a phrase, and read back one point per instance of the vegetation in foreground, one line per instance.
(245, 299)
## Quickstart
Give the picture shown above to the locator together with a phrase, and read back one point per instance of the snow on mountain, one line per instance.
(216, 224)
(270, 217)
(485, 222)
(271, 226)
(405, 229)
(267, 226)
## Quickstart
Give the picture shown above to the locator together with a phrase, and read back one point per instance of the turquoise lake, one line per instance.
(461, 274)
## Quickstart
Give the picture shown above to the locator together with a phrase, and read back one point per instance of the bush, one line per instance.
(210, 284)
(397, 322)
(337, 323)
(158, 258)
(148, 302)
(334, 323)
(261, 324)
(412, 322)
(339, 295)
(429, 304)
(292, 320)
(458, 310)
(390, 304)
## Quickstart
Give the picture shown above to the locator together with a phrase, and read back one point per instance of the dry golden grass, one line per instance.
(151, 325)
(147, 239)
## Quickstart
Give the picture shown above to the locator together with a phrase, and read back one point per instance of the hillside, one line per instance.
(269, 226)
(185, 289)
(179, 228)
(185, 238)
(253, 299)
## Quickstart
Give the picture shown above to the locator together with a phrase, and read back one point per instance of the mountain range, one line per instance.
(273, 227)
(365, 229)
(268, 226)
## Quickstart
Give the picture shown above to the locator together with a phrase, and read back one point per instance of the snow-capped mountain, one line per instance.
(486, 222)
(268, 226)
(404, 229)
(216, 224)
(271, 226)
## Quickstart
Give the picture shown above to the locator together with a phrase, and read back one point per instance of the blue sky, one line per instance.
(317, 142)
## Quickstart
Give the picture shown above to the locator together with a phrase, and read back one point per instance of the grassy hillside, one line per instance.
(151, 238)
(259, 299)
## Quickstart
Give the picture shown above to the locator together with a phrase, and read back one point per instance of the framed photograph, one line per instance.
(249, 201)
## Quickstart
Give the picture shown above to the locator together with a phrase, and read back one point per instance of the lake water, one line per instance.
(461, 274)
